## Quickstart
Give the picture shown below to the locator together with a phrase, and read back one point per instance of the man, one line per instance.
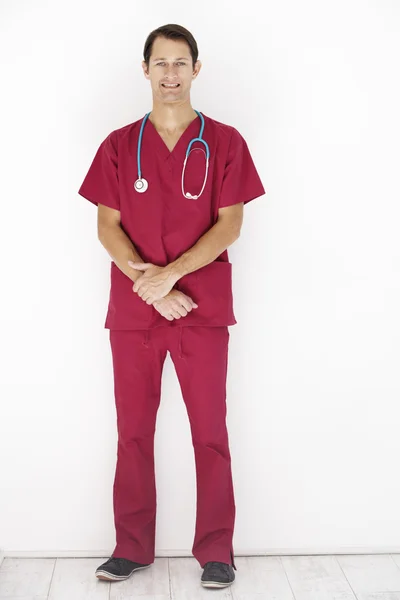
(167, 224)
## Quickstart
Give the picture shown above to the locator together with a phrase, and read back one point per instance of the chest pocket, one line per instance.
(195, 171)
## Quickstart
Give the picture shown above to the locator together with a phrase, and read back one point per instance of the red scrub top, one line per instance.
(162, 223)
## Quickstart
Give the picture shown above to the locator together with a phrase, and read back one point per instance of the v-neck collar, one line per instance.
(163, 148)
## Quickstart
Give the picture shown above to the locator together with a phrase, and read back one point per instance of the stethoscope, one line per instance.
(142, 184)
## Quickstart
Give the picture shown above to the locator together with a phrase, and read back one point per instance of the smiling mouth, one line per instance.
(170, 86)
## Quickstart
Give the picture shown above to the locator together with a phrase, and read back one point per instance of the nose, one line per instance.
(171, 71)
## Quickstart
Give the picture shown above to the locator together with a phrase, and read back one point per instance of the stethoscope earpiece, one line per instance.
(141, 184)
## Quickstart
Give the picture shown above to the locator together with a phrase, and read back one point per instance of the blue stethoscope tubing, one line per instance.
(142, 184)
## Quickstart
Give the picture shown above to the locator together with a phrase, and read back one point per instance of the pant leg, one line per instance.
(200, 356)
(138, 358)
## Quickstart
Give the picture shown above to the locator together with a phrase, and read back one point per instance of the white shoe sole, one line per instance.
(105, 576)
(215, 584)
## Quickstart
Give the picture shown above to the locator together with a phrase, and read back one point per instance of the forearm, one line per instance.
(121, 249)
(207, 248)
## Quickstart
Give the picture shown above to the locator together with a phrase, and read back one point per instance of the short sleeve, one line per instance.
(241, 182)
(101, 182)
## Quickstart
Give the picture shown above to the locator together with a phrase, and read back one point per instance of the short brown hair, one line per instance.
(172, 32)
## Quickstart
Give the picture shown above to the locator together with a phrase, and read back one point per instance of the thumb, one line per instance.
(139, 266)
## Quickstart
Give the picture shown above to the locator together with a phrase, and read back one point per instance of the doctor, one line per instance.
(170, 189)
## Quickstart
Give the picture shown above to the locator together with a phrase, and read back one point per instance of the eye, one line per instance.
(162, 63)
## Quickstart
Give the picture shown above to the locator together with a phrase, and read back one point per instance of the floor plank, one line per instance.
(380, 596)
(26, 577)
(148, 584)
(317, 578)
(185, 575)
(260, 578)
(75, 578)
(23, 597)
(370, 573)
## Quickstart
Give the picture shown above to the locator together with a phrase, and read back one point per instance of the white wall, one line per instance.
(313, 386)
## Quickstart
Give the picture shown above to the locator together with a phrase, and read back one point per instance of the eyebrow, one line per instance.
(181, 58)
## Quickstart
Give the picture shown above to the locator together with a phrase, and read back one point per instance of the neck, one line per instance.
(171, 117)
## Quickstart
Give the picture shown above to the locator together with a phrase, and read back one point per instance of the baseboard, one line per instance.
(338, 550)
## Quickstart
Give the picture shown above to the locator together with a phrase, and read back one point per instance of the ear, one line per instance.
(145, 69)
(197, 68)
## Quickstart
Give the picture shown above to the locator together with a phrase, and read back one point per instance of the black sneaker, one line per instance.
(217, 575)
(117, 569)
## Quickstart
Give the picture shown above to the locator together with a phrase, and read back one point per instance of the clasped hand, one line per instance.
(155, 283)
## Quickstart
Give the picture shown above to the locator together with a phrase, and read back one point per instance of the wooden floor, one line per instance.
(339, 577)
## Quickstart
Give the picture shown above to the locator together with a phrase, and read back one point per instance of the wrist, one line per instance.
(136, 275)
(175, 272)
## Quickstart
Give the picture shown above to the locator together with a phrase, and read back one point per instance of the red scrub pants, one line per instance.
(200, 357)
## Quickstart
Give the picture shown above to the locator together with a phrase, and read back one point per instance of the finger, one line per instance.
(139, 266)
(137, 285)
(175, 314)
(164, 313)
(192, 302)
(168, 316)
(185, 302)
(181, 310)
(178, 306)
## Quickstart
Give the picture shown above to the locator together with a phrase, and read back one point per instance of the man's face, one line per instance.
(171, 63)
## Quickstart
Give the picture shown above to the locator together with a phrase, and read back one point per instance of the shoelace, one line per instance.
(117, 560)
(214, 567)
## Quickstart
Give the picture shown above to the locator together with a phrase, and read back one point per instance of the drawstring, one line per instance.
(146, 339)
(180, 342)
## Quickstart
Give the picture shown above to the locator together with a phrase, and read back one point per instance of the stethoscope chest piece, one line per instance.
(141, 185)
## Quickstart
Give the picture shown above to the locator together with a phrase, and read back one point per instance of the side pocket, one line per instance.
(214, 293)
(126, 310)
(188, 285)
